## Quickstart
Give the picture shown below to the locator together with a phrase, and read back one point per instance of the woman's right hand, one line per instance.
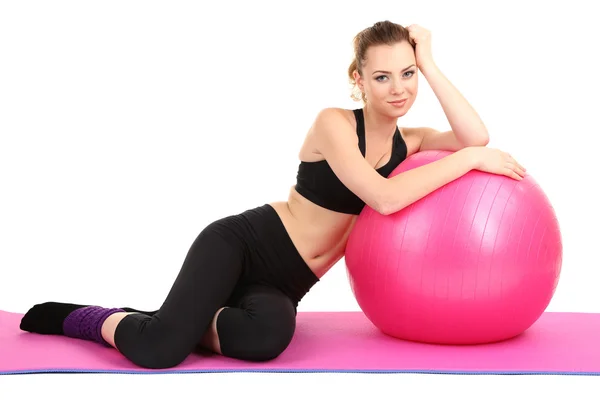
(495, 161)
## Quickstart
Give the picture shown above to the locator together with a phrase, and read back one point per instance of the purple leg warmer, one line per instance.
(86, 323)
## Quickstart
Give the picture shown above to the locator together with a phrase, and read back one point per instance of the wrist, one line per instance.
(470, 157)
(429, 67)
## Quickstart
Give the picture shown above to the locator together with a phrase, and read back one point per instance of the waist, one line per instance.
(271, 255)
(319, 234)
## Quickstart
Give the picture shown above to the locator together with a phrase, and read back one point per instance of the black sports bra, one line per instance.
(317, 182)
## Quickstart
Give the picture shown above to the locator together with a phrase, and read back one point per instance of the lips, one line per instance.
(398, 103)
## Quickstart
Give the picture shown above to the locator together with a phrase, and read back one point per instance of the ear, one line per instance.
(358, 80)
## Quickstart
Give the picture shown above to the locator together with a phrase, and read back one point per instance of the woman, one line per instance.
(239, 287)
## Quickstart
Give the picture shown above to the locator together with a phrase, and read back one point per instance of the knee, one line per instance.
(149, 348)
(269, 341)
(254, 337)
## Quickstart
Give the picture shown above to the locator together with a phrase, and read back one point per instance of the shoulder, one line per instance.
(333, 121)
(334, 114)
(341, 121)
(329, 125)
(411, 132)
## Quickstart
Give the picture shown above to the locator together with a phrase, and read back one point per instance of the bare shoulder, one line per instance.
(334, 123)
(328, 121)
(330, 117)
(410, 132)
(333, 137)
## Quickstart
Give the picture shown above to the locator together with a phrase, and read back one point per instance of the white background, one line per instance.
(128, 126)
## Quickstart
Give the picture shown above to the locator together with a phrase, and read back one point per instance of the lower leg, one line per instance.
(53, 318)
(210, 340)
(205, 282)
(72, 320)
(257, 327)
(110, 326)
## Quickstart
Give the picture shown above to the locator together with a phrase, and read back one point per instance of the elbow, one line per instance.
(483, 140)
(383, 202)
(475, 140)
(389, 203)
(384, 206)
(384, 211)
(387, 209)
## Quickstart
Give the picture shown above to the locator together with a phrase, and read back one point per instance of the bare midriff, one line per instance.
(320, 235)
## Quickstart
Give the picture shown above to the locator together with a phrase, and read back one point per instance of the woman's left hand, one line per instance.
(421, 37)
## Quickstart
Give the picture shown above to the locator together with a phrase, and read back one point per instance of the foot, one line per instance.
(47, 318)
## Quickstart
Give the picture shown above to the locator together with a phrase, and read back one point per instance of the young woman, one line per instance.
(239, 287)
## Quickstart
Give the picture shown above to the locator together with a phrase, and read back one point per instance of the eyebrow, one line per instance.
(388, 72)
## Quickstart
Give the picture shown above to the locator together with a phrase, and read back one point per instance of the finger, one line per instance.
(517, 168)
(512, 174)
(516, 163)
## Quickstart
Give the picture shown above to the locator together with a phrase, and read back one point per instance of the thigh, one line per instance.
(259, 324)
(210, 272)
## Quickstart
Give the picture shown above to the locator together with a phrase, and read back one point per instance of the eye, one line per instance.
(411, 72)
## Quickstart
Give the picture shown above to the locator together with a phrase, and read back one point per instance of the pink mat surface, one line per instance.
(559, 343)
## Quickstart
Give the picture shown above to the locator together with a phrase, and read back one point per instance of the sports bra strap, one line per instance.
(360, 130)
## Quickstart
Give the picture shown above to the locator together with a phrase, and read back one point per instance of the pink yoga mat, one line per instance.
(559, 343)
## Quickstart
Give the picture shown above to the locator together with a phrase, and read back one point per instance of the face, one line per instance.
(389, 75)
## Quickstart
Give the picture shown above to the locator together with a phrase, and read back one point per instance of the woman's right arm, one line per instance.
(414, 184)
(336, 141)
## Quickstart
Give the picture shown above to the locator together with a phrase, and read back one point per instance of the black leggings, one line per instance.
(246, 262)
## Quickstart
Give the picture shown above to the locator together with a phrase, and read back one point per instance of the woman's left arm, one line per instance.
(467, 129)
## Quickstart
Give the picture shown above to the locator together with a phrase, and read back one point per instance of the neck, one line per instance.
(377, 124)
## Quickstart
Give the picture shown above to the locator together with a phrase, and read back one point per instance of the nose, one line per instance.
(397, 87)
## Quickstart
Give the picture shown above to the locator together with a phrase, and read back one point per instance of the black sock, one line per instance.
(48, 318)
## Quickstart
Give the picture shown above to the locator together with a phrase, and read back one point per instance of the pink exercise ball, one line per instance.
(476, 261)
